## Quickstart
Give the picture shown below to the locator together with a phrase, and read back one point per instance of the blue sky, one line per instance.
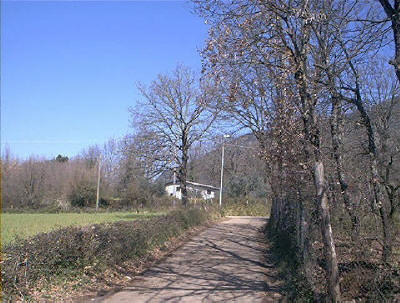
(69, 69)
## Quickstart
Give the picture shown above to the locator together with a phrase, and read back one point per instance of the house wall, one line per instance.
(170, 191)
(192, 192)
(206, 195)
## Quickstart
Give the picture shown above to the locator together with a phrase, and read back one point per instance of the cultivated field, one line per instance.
(26, 225)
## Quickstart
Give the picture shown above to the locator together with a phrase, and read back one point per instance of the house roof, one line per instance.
(194, 184)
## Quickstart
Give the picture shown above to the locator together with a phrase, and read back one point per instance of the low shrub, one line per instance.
(296, 288)
(69, 251)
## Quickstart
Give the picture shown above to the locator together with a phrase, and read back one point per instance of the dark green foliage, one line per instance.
(70, 250)
(61, 159)
(138, 193)
(83, 194)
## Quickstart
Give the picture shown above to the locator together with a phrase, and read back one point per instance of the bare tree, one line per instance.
(347, 79)
(171, 117)
(278, 34)
(337, 42)
(384, 95)
(392, 11)
(378, 100)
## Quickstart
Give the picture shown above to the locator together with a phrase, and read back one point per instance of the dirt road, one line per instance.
(225, 263)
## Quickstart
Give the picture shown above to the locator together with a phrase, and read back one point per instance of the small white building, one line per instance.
(195, 190)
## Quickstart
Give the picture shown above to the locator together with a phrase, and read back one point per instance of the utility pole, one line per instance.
(98, 183)
(222, 175)
(222, 169)
(174, 182)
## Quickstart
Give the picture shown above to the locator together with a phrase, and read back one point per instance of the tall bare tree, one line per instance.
(278, 34)
(392, 11)
(171, 117)
(342, 36)
(364, 91)
(346, 44)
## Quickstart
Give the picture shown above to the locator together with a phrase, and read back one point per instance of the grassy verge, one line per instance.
(26, 225)
(246, 207)
(71, 251)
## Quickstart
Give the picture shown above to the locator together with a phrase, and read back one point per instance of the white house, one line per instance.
(195, 190)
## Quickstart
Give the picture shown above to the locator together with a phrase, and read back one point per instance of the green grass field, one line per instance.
(27, 225)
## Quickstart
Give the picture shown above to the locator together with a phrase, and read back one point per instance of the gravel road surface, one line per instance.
(225, 263)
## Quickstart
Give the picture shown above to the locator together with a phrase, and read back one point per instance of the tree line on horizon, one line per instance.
(63, 183)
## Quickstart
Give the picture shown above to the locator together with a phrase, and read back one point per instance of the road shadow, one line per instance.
(228, 262)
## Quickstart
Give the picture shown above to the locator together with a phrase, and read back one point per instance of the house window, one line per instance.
(208, 191)
(178, 188)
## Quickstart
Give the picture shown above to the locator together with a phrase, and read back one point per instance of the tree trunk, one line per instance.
(306, 249)
(337, 143)
(393, 13)
(378, 192)
(299, 224)
(183, 180)
(183, 168)
(387, 235)
(387, 224)
(396, 34)
(327, 235)
(274, 214)
(312, 135)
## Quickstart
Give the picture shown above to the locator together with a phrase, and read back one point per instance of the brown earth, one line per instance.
(228, 262)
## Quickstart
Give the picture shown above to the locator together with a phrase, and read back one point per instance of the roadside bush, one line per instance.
(69, 251)
(283, 253)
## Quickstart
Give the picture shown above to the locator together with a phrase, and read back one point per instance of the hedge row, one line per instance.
(70, 250)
